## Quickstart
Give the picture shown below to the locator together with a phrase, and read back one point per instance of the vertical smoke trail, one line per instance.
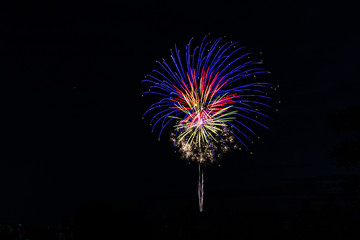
(201, 188)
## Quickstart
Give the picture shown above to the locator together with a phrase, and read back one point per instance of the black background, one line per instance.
(74, 145)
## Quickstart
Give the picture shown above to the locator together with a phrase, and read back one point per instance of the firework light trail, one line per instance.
(210, 99)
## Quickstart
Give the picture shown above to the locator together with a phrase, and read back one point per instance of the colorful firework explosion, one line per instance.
(208, 98)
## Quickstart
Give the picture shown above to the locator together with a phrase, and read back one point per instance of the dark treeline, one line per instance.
(332, 218)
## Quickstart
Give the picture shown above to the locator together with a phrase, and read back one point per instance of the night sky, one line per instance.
(72, 130)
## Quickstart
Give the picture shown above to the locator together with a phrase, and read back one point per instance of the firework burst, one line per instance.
(210, 98)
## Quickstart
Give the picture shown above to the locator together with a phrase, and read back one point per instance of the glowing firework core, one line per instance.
(201, 102)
